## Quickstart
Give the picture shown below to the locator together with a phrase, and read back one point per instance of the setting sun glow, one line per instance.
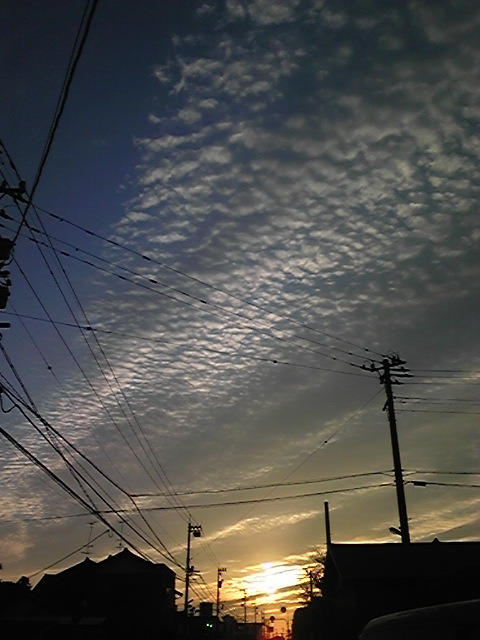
(273, 578)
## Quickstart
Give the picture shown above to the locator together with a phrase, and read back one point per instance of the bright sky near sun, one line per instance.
(243, 203)
(273, 578)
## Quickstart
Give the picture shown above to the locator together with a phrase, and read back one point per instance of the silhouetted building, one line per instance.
(24, 617)
(249, 631)
(132, 597)
(14, 596)
(364, 581)
(205, 626)
(206, 610)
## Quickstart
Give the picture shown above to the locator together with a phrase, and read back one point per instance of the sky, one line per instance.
(244, 202)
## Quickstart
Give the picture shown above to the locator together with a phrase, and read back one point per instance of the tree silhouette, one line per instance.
(311, 587)
(24, 583)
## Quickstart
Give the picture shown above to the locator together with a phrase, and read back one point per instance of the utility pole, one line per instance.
(244, 605)
(394, 365)
(328, 533)
(196, 530)
(220, 570)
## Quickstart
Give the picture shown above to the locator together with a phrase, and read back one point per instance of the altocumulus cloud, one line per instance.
(315, 160)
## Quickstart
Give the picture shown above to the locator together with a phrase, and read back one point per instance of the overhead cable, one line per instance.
(79, 45)
(206, 284)
(98, 470)
(268, 486)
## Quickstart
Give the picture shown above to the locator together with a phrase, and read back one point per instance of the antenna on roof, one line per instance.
(120, 541)
(89, 545)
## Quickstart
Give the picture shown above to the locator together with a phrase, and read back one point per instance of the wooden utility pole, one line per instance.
(196, 529)
(394, 365)
(220, 570)
(397, 463)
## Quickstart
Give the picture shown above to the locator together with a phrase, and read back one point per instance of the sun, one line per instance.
(272, 578)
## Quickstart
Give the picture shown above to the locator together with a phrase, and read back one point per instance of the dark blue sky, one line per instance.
(109, 99)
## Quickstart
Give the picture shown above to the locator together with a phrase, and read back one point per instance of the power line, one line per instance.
(465, 413)
(97, 469)
(99, 398)
(217, 504)
(310, 455)
(110, 369)
(406, 471)
(444, 371)
(206, 284)
(67, 395)
(268, 486)
(196, 298)
(444, 473)
(448, 377)
(80, 40)
(438, 381)
(221, 352)
(273, 498)
(266, 330)
(69, 555)
(418, 399)
(79, 45)
(424, 483)
(53, 476)
(166, 482)
(169, 489)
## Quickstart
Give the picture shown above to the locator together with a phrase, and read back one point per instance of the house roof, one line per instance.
(128, 562)
(431, 560)
(71, 575)
(124, 563)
